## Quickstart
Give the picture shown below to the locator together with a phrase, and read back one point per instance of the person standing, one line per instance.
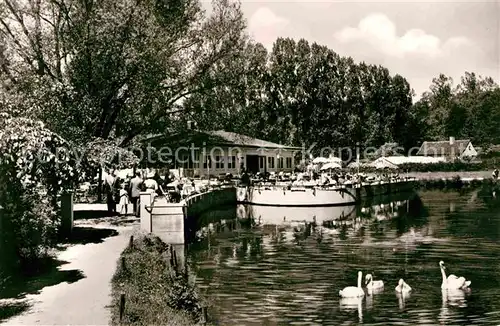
(135, 191)
(110, 184)
(150, 183)
(124, 199)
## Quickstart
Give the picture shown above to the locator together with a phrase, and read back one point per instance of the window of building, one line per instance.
(219, 162)
(231, 163)
(280, 163)
(270, 162)
(288, 162)
(262, 162)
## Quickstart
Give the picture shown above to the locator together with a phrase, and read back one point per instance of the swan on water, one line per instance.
(452, 282)
(371, 284)
(353, 291)
(402, 287)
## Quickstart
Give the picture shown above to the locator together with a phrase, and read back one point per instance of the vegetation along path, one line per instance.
(85, 301)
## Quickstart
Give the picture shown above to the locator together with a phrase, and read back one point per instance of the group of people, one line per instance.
(121, 192)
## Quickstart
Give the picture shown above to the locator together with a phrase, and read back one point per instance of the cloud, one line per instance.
(380, 32)
(265, 26)
(415, 54)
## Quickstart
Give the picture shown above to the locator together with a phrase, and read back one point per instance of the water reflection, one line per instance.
(346, 304)
(288, 267)
(403, 297)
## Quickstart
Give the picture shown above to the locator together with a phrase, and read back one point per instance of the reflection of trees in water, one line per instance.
(415, 215)
(470, 214)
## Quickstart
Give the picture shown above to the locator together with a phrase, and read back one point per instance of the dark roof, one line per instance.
(213, 138)
(443, 148)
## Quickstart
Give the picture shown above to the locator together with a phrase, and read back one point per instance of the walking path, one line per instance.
(83, 302)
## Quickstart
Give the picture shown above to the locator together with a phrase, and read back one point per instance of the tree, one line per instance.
(469, 110)
(36, 166)
(114, 69)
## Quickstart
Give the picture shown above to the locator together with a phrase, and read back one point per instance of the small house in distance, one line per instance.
(449, 150)
(202, 153)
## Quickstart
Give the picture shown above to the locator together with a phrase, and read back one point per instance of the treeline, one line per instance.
(469, 110)
(303, 93)
(120, 70)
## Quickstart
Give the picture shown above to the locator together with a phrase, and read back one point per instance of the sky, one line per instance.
(418, 40)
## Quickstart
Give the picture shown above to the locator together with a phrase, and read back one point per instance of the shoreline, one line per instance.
(151, 287)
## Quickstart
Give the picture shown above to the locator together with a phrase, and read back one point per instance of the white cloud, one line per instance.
(380, 32)
(265, 26)
(415, 54)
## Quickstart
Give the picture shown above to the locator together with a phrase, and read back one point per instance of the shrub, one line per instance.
(156, 294)
(36, 166)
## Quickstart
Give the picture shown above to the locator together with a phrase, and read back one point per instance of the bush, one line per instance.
(155, 293)
(36, 166)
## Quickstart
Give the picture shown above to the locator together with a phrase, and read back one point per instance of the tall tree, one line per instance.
(115, 69)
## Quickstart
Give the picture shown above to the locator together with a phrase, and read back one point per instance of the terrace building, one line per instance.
(203, 153)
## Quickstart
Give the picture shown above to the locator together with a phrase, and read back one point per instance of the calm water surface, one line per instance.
(271, 269)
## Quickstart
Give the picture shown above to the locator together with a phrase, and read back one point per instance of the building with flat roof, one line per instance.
(202, 153)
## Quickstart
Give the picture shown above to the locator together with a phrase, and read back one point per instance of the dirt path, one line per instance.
(85, 301)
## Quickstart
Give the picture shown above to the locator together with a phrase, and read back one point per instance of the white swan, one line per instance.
(452, 282)
(371, 284)
(353, 291)
(403, 287)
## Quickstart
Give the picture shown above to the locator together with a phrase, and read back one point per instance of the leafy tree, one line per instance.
(469, 110)
(114, 69)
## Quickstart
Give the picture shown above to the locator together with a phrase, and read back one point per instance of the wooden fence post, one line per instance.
(122, 306)
(204, 315)
(131, 242)
(175, 258)
(124, 266)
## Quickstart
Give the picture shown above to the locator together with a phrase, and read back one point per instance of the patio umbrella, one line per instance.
(320, 160)
(331, 166)
(355, 165)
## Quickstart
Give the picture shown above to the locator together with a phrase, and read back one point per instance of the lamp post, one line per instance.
(357, 157)
(278, 162)
(208, 168)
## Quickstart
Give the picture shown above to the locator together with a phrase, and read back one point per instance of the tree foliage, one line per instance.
(36, 166)
(470, 109)
(113, 69)
(303, 93)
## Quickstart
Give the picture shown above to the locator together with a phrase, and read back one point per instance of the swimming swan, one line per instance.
(403, 287)
(353, 291)
(371, 284)
(452, 282)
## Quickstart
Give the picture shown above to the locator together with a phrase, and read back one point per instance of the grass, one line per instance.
(155, 292)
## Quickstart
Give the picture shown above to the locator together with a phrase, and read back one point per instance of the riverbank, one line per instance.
(77, 290)
(149, 288)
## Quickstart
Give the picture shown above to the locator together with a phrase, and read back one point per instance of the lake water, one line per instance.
(277, 271)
